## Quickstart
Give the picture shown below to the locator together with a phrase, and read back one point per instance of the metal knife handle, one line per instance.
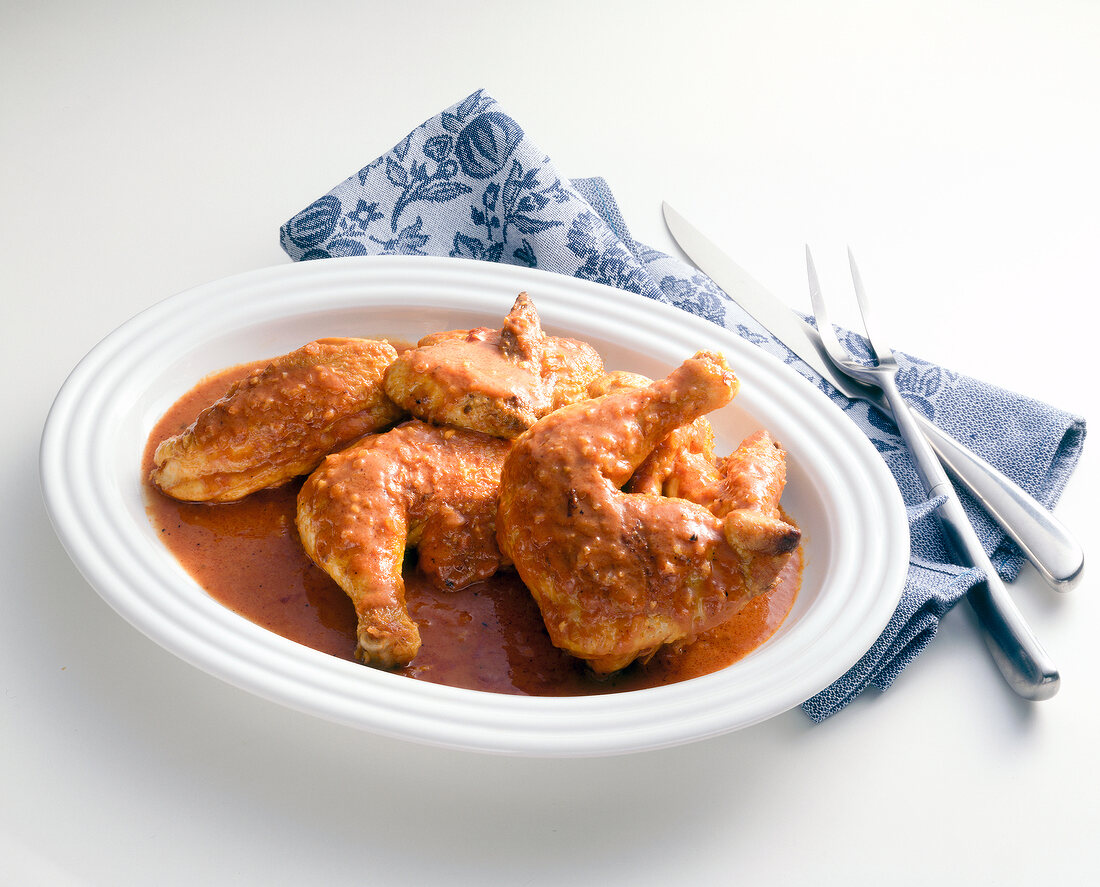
(1045, 542)
(1017, 652)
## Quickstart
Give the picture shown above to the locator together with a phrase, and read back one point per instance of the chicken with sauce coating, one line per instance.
(499, 382)
(617, 575)
(280, 421)
(416, 486)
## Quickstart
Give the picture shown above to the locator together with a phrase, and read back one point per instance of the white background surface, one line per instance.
(149, 147)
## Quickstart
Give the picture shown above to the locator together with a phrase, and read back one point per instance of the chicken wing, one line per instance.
(615, 574)
(743, 488)
(279, 422)
(417, 485)
(499, 382)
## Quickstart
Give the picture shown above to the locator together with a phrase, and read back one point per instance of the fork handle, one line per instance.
(1020, 657)
(1044, 540)
(1017, 652)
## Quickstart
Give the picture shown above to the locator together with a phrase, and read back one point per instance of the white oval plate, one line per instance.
(838, 490)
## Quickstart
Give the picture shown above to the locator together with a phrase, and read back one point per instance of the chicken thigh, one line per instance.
(499, 382)
(279, 422)
(417, 485)
(618, 574)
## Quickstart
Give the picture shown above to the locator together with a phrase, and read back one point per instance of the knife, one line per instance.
(1042, 538)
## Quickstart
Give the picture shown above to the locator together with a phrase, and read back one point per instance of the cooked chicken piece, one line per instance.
(417, 485)
(617, 575)
(744, 490)
(751, 478)
(499, 382)
(279, 422)
(682, 465)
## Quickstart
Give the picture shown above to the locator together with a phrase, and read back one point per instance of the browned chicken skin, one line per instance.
(499, 382)
(617, 575)
(280, 422)
(417, 485)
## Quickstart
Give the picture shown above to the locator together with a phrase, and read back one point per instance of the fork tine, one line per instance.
(877, 343)
(837, 352)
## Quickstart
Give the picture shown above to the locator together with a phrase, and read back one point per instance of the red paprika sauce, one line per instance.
(488, 636)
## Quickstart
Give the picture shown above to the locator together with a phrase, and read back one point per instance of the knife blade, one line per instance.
(1043, 539)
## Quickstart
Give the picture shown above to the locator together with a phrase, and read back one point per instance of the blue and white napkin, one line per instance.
(470, 183)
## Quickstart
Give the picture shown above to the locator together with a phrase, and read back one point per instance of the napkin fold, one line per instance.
(469, 183)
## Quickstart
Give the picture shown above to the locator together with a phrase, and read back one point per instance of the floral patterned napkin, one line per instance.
(469, 183)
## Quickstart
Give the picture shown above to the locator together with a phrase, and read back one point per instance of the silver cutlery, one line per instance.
(1019, 655)
(1042, 538)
